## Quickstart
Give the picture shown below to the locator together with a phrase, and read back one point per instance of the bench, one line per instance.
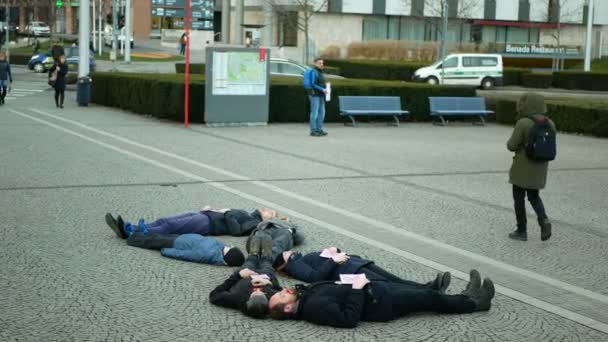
(352, 106)
(443, 107)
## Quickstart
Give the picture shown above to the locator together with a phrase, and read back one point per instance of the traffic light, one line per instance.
(58, 3)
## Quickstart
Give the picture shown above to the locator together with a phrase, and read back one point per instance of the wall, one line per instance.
(345, 29)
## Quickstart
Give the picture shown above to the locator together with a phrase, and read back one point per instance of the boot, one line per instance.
(545, 229)
(266, 250)
(474, 283)
(483, 296)
(522, 236)
(441, 282)
(254, 245)
(115, 226)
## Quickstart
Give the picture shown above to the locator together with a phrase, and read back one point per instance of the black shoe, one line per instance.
(323, 133)
(521, 236)
(61, 106)
(474, 283)
(483, 297)
(315, 134)
(545, 230)
(254, 246)
(114, 225)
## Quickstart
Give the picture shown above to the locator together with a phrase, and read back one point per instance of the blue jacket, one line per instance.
(196, 248)
(314, 268)
(5, 71)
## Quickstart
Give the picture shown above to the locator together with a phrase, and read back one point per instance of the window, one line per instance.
(334, 6)
(417, 8)
(452, 8)
(517, 35)
(412, 29)
(479, 61)
(393, 28)
(524, 10)
(449, 63)
(375, 28)
(274, 68)
(489, 9)
(554, 11)
(288, 29)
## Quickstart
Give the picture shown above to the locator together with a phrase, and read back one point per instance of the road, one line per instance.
(417, 199)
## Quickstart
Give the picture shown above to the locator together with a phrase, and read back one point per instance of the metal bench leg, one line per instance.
(443, 123)
(482, 121)
(352, 119)
(396, 120)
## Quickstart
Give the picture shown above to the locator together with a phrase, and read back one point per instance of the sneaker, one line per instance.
(545, 230)
(315, 134)
(254, 245)
(323, 133)
(115, 226)
(517, 235)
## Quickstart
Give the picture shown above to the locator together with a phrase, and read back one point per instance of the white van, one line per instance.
(482, 70)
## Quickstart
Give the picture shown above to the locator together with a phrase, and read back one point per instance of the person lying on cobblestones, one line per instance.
(328, 264)
(249, 288)
(189, 247)
(284, 235)
(345, 305)
(206, 222)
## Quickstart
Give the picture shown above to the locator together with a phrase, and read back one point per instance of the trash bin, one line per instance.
(83, 92)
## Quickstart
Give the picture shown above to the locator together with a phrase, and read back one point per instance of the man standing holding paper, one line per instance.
(314, 83)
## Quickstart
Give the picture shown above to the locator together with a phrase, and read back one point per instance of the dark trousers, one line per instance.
(519, 196)
(374, 272)
(406, 300)
(262, 265)
(151, 241)
(182, 49)
(59, 95)
(3, 92)
(187, 223)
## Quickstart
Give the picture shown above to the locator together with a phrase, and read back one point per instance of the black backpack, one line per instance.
(541, 145)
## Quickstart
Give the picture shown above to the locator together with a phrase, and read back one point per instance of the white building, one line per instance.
(511, 27)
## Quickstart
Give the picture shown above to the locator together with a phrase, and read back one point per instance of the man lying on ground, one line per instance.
(249, 288)
(189, 247)
(345, 305)
(328, 264)
(284, 235)
(206, 222)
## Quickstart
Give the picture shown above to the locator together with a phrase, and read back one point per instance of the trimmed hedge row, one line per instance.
(581, 80)
(573, 118)
(162, 95)
(195, 68)
(537, 80)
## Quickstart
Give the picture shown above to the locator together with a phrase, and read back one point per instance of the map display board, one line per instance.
(237, 86)
(239, 73)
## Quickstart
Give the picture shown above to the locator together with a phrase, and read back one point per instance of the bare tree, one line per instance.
(560, 12)
(436, 13)
(297, 14)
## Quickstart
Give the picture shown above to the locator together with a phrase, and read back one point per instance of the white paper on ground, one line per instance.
(259, 276)
(350, 278)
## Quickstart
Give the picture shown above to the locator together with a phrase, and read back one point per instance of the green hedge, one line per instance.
(377, 70)
(195, 68)
(162, 95)
(513, 76)
(20, 59)
(581, 80)
(587, 118)
(537, 80)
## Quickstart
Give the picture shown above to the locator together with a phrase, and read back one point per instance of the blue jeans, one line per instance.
(317, 113)
(4, 83)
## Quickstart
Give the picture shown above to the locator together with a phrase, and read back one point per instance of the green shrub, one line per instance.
(513, 76)
(331, 70)
(375, 69)
(195, 68)
(162, 95)
(600, 128)
(581, 80)
(574, 118)
(537, 80)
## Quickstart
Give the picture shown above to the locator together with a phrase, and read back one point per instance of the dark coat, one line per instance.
(235, 291)
(234, 222)
(318, 83)
(526, 173)
(62, 71)
(327, 303)
(313, 268)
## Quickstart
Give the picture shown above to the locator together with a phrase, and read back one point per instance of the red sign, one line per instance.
(262, 55)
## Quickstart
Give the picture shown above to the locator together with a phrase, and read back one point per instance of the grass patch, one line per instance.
(142, 57)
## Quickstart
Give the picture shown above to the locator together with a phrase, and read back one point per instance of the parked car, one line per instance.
(42, 62)
(289, 68)
(38, 29)
(108, 37)
(482, 70)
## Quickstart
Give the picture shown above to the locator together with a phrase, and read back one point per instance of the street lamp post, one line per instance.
(589, 36)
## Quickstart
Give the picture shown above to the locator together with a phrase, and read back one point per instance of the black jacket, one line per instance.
(62, 71)
(313, 268)
(234, 222)
(327, 303)
(234, 292)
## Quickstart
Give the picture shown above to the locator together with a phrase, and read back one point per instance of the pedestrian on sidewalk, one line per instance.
(5, 77)
(182, 44)
(533, 141)
(57, 79)
(314, 84)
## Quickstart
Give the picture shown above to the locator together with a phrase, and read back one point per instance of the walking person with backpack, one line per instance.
(534, 143)
(314, 83)
(5, 77)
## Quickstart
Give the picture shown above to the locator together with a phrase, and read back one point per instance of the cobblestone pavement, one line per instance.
(416, 199)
